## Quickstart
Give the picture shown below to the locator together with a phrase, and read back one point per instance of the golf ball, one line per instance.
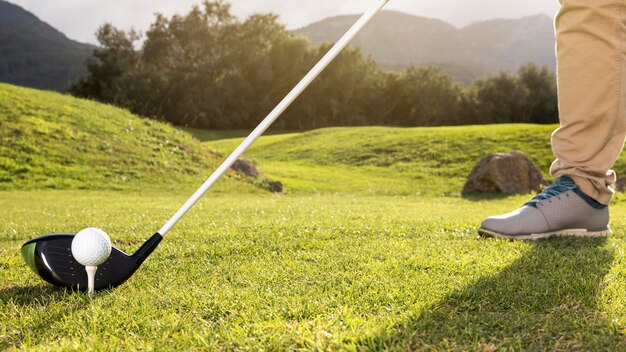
(91, 247)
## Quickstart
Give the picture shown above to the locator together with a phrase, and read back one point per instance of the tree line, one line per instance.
(208, 69)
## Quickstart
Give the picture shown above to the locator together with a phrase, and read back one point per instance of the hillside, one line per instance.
(396, 40)
(49, 140)
(393, 161)
(34, 54)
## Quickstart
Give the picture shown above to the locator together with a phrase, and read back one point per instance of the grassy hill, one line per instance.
(56, 141)
(394, 161)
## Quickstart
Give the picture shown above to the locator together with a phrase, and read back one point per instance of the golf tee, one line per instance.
(91, 278)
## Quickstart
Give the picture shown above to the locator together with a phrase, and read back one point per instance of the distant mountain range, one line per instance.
(396, 40)
(34, 54)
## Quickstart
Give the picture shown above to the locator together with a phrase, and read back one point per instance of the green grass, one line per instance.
(430, 161)
(393, 161)
(49, 140)
(371, 248)
(213, 135)
(334, 272)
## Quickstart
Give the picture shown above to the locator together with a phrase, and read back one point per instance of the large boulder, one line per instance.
(505, 173)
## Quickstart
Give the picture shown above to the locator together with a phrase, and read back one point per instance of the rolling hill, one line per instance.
(390, 161)
(49, 140)
(396, 40)
(34, 54)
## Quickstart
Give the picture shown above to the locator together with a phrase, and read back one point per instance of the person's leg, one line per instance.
(591, 44)
(591, 41)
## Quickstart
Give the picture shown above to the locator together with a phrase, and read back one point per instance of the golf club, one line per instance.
(50, 256)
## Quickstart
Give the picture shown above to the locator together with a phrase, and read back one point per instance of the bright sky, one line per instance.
(79, 19)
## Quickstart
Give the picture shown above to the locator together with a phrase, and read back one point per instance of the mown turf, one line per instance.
(313, 272)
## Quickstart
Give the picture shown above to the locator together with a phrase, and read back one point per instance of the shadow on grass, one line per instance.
(481, 196)
(216, 135)
(32, 295)
(39, 298)
(546, 300)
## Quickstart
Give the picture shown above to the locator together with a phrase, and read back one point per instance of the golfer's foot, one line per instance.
(562, 209)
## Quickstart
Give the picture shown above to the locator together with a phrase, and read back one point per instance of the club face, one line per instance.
(51, 258)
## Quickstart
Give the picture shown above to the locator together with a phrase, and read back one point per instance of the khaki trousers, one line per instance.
(591, 44)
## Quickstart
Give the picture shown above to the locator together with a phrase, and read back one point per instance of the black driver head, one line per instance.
(51, 258)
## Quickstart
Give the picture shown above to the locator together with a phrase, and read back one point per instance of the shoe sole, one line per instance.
(582, 233)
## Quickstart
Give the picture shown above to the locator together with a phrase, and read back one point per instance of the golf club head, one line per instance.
(51, 258)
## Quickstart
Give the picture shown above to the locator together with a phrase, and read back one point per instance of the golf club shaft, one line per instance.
(278, 110)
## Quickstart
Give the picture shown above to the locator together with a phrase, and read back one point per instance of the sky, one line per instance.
(79, 19)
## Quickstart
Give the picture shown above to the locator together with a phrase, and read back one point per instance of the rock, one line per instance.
(246, 167)
(620, 184)
(505, 173)
(274, 186)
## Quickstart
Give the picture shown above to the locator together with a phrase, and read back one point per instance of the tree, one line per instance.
(528, 96)
(208, 69)
(541, 101)
(422, 97)
(109, 65)
(338, 96)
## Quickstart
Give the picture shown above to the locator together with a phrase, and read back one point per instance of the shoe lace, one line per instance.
(560, 186)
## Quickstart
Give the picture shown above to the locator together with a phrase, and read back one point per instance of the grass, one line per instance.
(55, 141)
(392, 161)
(371, 247)
(331, 272)
(214, 135)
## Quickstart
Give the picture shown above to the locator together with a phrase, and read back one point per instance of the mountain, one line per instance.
(509, 44)
(34, 54)
(396, 40)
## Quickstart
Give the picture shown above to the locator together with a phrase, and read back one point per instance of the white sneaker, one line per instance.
(562, 209)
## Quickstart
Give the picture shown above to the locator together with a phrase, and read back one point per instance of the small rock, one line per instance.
(274, 186)
(510, 173)
(246, 167)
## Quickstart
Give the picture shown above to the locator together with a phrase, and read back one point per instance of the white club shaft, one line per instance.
(278, 110)
(91, 278)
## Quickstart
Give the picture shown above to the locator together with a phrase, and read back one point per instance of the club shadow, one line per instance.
(34, 298)
(32, 295)
(546, 300)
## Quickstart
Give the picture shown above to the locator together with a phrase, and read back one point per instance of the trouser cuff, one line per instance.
(603, 196)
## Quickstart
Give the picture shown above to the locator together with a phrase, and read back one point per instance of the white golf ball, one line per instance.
(91, 247)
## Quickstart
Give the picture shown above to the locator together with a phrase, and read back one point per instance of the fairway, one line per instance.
(339, 272)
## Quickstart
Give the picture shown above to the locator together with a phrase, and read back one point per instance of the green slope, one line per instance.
(381, 160)
(49, 140)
